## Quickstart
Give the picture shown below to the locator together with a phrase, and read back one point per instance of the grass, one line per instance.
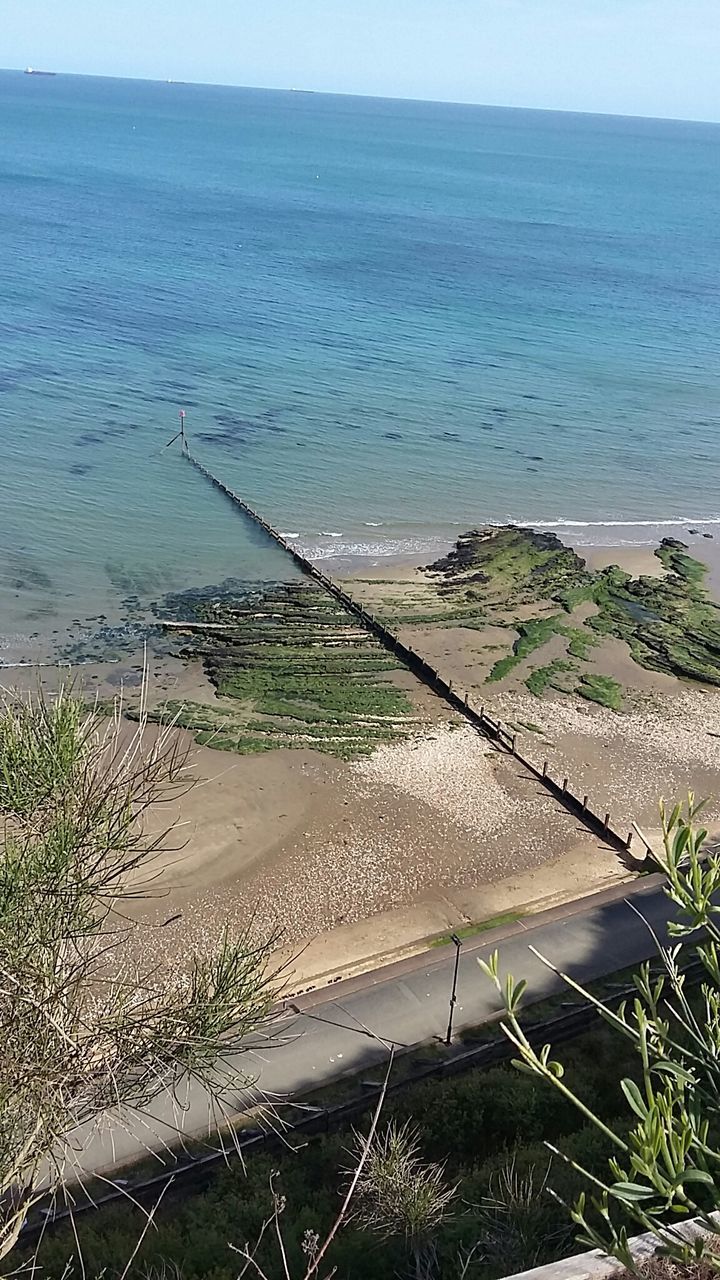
(471, 930)
(477, 1124)
(41, 747)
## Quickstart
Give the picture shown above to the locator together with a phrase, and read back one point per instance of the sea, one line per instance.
(386, 321)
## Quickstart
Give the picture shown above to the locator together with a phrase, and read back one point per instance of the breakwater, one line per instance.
(599, 824)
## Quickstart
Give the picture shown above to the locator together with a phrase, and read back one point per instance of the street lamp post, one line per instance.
(453, 997)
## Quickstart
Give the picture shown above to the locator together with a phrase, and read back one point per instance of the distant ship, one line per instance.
(30, 71)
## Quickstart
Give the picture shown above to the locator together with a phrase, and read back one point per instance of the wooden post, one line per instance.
(584, 803)
(512, 742)
(466, 700)
(565, 782)
(544, 768)
(628, 842)
(606, 823)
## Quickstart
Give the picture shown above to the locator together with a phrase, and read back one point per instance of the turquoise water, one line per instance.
(386, 321)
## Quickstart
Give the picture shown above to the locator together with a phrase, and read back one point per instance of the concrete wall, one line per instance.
(597, 1266)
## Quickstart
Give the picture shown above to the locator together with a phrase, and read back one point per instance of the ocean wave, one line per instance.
(586, 533)
(373, 524)
(563, 523)
(289, 535)
(376, 550)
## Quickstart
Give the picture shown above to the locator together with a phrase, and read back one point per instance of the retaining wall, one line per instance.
(193, 1173)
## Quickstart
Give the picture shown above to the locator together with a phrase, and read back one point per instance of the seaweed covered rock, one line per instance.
(670, 623)
(291, 667)
(516, 566)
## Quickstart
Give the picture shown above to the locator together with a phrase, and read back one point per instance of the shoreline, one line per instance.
(398, 547)
(635, 558)
(31, 642)
(311, 842)
(586, 539)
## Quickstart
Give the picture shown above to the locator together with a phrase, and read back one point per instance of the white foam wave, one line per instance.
(563, 523)
(289, 535)
(376, 550)
(630, 533)
(373, 524)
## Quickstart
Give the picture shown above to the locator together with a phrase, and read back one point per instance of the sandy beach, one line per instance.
(295, 843)
(350, 860)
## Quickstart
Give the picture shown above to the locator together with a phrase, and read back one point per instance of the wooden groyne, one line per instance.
(494, 730)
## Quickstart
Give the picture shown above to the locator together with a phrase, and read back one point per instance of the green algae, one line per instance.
(581, 642)
(503, 667)
(512, 566)
(601, 689)
(670, 624)
(552, 675)
(673, 555)
(532, 635)
(291, 668)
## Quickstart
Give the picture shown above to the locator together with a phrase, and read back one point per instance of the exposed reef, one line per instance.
(291, 668)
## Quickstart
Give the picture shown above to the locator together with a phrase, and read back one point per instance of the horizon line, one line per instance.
(344, 93)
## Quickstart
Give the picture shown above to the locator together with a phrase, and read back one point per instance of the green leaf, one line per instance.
(672, 1069)
(519, 1065)
(631, 1191)
(522, 984)
(695, 1175)
(635, 1098)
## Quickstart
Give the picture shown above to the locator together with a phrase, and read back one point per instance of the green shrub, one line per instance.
(478, 1123)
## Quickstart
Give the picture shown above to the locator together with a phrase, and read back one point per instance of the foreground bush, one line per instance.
(82, 1030)
(666, 1168)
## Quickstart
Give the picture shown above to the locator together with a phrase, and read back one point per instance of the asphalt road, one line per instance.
(348, 1028)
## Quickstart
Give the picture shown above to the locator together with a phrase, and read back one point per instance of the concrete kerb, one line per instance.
(598, 1266)
(338, 988)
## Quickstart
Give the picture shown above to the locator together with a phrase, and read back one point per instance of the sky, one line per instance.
(632, 57)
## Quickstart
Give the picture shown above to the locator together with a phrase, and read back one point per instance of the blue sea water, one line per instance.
(387, 321)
